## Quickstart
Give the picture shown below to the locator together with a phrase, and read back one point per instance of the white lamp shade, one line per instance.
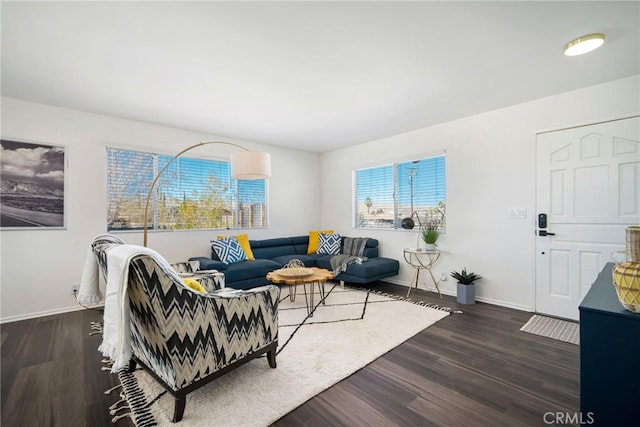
(250, 165)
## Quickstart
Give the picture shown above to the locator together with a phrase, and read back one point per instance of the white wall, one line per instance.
(490, 169)
(40, 266)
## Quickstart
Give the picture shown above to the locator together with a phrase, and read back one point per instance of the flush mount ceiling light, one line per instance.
(584, 44)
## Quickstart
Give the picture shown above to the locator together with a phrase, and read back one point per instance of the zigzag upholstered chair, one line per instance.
(186, 339)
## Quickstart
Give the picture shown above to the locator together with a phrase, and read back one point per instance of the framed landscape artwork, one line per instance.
(32, 185)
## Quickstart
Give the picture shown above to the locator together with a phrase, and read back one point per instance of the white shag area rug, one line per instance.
(352, 328)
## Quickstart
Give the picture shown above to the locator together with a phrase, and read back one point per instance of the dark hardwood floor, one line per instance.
(470, 369)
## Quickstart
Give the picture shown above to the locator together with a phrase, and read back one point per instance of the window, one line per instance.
(190, 194)
(386, 194)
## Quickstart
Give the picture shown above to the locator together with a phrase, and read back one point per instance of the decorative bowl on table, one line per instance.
(294, 272)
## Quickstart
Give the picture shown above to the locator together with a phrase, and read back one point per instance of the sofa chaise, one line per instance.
(272, 254)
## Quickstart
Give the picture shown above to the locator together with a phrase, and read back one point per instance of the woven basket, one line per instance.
(626, 280)
(633, 243)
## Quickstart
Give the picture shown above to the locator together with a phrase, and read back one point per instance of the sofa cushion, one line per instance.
(249, 269)
(329, 244)
(366, 272)
(370, 252)
(307, 260)
(271, 248)
(301, 244)
(269, 243)
(372, 243)
(298, 240)
(209, 264)
(229, 250)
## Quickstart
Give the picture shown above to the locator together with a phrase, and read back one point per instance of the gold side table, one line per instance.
(421, 259)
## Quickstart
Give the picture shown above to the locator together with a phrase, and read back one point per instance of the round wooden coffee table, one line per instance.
(318, 276)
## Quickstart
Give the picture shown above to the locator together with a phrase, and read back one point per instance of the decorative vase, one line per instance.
(626, 275)
(633, 243)
(466, 293)
(626, 281)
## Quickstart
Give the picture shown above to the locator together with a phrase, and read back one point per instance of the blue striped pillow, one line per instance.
(329, 244)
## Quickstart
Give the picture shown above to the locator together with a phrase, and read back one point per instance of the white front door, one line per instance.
(588, 186)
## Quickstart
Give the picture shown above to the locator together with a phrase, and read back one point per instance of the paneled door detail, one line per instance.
(588, 192)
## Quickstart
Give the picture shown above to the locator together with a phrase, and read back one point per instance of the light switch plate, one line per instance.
(518, 213)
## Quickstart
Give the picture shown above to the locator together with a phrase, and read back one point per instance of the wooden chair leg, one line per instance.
(178, 409)
(271, 357)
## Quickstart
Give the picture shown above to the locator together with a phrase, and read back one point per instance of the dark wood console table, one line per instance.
(609, 356)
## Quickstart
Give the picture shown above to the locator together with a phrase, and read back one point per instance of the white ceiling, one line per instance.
(315, 76)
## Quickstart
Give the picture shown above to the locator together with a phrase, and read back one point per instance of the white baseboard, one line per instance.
(493, 301)
(46, 313)
(506, 304)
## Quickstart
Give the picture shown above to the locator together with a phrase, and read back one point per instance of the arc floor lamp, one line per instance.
(245, 164)
(408, 224)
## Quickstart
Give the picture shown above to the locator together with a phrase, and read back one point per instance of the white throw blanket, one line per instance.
(89, 290)
(116, 335)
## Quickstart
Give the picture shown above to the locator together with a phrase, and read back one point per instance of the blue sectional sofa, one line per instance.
(271, 254)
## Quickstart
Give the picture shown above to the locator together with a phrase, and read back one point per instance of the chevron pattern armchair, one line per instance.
(186, 339)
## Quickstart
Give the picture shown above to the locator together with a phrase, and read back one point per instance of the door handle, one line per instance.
(545, 233)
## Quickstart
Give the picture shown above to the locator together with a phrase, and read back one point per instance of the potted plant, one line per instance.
(430, 235)
(466, 286)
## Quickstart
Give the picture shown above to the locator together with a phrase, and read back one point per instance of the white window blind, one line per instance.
(385, 194)
(190, 194)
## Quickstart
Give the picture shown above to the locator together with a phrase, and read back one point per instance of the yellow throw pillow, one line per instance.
(314, 240)
(194, 285)
(243, 241)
